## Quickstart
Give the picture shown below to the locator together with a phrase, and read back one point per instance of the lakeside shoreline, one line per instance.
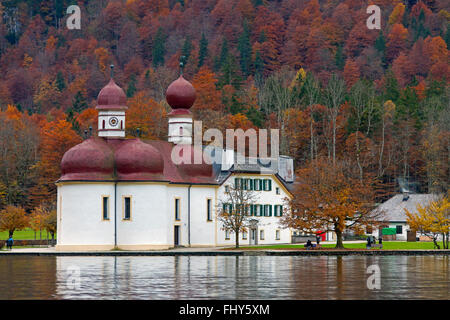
(219, 252)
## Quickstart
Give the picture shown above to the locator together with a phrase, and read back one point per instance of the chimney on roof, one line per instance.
(406, 195)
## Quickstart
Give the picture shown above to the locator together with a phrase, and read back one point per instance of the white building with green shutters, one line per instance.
(271, 195)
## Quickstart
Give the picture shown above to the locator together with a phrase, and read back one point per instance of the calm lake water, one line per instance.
(222, 277)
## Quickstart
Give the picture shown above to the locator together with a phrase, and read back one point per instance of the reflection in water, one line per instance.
(224, 277)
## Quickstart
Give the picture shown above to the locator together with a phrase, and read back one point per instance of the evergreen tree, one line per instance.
(235, 105)
(203, 50)
(258, 65)
(262, 37)
(60, 82)
(380, 45)
(339, 58)
(71, 119)
(223, 55)
(131, 90)
(255, 116)
(380, 42)
(419, 28)
(187, 48)
(447, 36)
(408, 107)
(391, 89)
(257, 3)
(159, 49)
(79, 102)
(245, 50)
(229, 73)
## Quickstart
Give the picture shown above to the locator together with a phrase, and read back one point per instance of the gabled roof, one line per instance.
(394, 208)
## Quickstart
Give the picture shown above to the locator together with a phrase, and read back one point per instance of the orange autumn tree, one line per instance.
(208, 97)
(13, 218)
(147, 115)
(43, 217)
(88, 118)
(56, 138)
(331, 198)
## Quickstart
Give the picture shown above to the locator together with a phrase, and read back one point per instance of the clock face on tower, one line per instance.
(113, 121)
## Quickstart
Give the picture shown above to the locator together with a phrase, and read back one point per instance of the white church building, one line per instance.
(128, 193)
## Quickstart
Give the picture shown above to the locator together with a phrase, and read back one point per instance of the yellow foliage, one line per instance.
(27, 61)
(397, 14)
(434, 218)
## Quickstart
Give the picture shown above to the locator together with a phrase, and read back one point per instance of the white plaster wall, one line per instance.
(106, 115)
(268, 224)
(401, 236)
(203, 231)
(80, 214)
(174, 130)
(149, 221)
(180, 192)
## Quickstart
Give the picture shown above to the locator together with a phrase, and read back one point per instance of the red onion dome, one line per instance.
(112, 97)
(90, 160)
(191, 169)
(180, 94)
(137, 160)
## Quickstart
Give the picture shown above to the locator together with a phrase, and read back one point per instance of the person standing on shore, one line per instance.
(369, 243)
(9, 243)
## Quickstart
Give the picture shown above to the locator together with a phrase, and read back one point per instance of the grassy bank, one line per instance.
(26, 234)
(387, 245)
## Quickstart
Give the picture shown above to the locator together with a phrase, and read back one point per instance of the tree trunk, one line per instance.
(312, 138)
(436, 245)
(237, 239)
(448, 235)
(339, 242)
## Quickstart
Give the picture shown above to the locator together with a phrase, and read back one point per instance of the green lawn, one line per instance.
(26, 234)
(387, 245)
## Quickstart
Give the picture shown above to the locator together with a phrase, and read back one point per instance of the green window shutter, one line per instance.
(270, 210)
(281, 211)
(270, 185)
(224, 207)
(250, 181)
(252, 210)
(261, 210)
(236, 183)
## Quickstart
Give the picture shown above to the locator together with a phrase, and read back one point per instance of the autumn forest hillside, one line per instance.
(377, 100)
